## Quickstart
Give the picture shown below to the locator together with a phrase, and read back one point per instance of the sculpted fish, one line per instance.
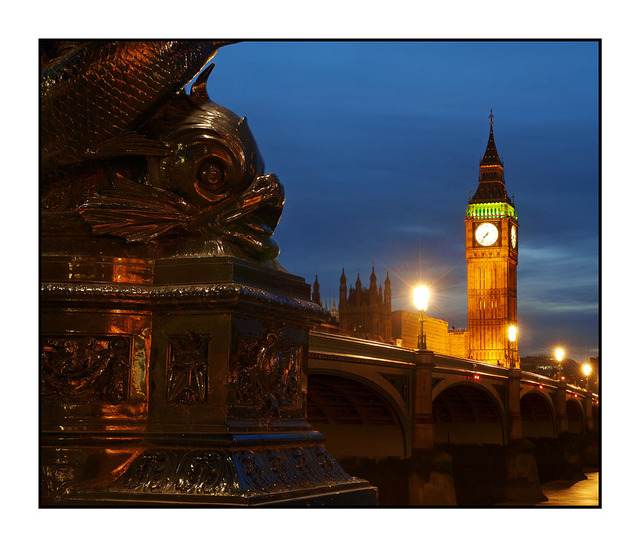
(96, 92)
(125, 150)
(208, 183)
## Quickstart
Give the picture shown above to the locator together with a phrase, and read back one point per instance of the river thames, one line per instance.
(584, 493)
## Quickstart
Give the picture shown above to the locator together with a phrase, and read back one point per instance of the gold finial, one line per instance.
(491, 116)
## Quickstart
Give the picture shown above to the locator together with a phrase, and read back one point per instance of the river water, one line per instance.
(585, 493)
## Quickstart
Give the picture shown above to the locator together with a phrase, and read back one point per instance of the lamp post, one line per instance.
(421, 301)
(559, 357)
(586, 370)
(512, 334)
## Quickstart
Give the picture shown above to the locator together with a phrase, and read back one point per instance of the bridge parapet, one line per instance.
(357, 350)
(457, 364)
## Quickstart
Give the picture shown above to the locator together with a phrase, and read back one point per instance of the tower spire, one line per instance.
(491, 186)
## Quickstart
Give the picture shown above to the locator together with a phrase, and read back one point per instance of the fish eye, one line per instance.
(210, 176)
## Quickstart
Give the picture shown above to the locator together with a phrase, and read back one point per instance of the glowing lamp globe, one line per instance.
(586, 369)
(559, 354)
(421, 298)
(512, 332)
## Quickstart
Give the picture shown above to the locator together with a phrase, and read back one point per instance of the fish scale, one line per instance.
(102, 90)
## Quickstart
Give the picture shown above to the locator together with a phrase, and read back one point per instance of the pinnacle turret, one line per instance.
(316, 291)
(387, 290)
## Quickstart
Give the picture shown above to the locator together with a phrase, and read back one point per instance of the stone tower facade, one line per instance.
(365, 312)
(492, 260)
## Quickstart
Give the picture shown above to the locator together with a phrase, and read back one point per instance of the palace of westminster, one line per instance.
(492, 259)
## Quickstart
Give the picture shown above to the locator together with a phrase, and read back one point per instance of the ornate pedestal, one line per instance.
(173, 346)
(180, 380)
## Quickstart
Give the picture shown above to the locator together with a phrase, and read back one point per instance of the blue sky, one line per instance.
(377, 145)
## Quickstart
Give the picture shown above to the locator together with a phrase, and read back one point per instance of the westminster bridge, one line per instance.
(377, 403)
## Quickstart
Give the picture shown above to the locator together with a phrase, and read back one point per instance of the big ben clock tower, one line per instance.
(492, 260)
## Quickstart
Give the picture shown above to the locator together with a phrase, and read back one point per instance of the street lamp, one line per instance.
(586, 370)
(512, 334)
(421, 301)
(559, 357)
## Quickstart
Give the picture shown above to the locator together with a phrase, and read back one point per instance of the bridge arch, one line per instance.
(467, 412)
(575, 416)
(357, 417)
(595, 410)
(538, 415)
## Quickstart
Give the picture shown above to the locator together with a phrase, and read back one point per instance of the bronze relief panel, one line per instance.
(266, 372)
(85, 368)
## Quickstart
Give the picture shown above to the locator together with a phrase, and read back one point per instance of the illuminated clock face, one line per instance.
(514, 237)
(486, 234)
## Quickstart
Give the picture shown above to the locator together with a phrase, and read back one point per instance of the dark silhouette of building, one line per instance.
(365, 312)
(315, 295)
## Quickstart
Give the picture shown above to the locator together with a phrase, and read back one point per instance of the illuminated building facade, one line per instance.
(406, 326)
(492, 260)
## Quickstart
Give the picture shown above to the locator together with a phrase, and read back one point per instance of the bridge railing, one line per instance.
(346, 348)
(358, 349)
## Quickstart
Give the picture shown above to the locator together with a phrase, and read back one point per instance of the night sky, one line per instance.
(378, 143)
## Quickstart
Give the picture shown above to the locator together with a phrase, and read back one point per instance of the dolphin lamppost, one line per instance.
(174, 347)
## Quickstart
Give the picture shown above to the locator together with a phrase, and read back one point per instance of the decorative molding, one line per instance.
(176, 471)
(56, 478)
(203, 294)
(80, 367)
(187, 368)
(223, 472)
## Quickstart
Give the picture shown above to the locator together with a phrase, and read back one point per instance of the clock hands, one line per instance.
(486, 234)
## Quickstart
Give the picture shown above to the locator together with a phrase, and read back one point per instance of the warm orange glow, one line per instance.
(586, 369)
(559, 354)
(421, 298)
(512, 333)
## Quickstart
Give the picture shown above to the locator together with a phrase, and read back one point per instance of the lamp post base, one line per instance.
(186, 384)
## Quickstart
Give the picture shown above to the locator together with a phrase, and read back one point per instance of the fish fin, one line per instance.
(136, 212)
(199, 87)
(129, 144)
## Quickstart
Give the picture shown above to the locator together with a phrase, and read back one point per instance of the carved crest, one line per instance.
(266, 377)
(187, 368)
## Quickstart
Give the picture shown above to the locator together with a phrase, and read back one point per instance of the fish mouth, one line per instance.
(251, 220)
